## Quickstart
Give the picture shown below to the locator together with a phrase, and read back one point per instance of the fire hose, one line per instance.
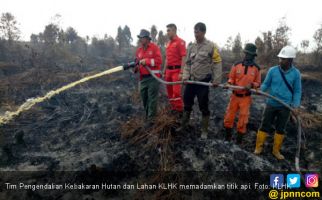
(33, 101)
(233, 87)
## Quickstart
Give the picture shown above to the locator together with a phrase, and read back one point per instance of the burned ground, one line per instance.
(97, 128)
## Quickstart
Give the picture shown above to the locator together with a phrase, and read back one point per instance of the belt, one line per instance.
(174, 67)
(206, 79)
(242, 95)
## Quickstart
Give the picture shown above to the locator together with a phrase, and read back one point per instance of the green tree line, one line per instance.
(55, 47)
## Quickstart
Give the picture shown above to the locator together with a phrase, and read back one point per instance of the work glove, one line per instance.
(215, 84)
(142, 62)
(184, 80)
(226, 86)
(180, 76)
(248, 87)
(296, 111)
(257, 90)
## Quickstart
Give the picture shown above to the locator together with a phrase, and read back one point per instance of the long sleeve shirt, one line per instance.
(153, 59)
(243, 75)
(276, 86)
(203, 59)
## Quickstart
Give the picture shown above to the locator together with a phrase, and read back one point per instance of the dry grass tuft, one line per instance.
(160, 136)
(310, 120)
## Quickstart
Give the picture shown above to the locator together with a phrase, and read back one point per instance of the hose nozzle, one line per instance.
(129, 65)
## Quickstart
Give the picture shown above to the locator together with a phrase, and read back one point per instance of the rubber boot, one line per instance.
(239, 138)
(184, 121)
(260, 139)
(278, 140)
(228, 135)
(204, 127)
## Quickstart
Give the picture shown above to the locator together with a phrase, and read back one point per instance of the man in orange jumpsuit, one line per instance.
(175, 59)
(246, 74)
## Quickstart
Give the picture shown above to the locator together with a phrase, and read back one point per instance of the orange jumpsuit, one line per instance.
(176, 50)
(240, 100)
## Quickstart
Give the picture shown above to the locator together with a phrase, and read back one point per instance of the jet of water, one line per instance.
(9, 115)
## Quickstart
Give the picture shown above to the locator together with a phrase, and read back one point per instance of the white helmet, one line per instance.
(287, 52)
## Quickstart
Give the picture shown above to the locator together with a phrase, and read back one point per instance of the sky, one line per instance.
(223, 18)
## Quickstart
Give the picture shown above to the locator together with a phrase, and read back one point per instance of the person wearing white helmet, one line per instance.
(284, 82)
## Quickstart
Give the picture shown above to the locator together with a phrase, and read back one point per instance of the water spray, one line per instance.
(9, 115)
